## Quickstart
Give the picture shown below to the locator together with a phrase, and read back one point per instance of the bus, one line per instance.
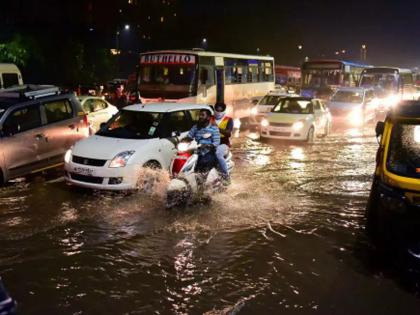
(203, 77)
(320, 78)
(288, 76)
(391, 84)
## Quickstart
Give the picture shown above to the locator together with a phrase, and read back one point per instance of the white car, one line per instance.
(353, 106)
(138, 136)
(98, 110)
(297, 118)
(265, 105)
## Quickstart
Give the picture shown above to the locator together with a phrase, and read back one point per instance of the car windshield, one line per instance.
(270, 100)
(348, 97)
(294, 106)
(129, 124)
(404, 150)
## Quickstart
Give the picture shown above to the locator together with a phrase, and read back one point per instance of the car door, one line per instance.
(174, 123)
(23, 144)
(62, 127)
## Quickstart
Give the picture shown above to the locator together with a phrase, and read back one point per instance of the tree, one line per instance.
(15, 51)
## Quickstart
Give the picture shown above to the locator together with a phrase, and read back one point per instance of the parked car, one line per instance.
(353, 106)
(38, 125)
(393, 207)
(98, 110)
(265, 105)
(297, 118)
(138, 136)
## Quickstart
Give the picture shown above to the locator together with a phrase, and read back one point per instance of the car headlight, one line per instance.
(265, 123)
(298, 125)
(254, 111)
(67, 156)
(356, 117)
(391, 101)
(121, 159)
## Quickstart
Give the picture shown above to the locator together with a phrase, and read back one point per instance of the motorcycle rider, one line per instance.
(205, 133)
(225, 124)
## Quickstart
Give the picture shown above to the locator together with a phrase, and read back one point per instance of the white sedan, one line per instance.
(98, 110)
(297, 118)
(138, 136)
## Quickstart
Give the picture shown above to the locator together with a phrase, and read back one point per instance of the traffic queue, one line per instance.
(105, 148)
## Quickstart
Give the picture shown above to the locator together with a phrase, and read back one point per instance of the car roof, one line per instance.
(406, 109)
(165, 107)
(353, 89)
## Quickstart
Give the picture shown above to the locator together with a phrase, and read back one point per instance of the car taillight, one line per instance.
(85, 121)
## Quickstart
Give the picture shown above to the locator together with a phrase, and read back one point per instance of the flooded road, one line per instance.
(287, 237)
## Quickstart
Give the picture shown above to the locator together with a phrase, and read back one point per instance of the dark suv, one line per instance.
(37, 125)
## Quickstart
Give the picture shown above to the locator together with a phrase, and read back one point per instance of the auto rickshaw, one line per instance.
(393, 209)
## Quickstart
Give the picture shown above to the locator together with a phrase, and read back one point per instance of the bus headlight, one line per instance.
(254, 111)
(265, 123)
(297, 126)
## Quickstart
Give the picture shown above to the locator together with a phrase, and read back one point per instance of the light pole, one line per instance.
(204, 43)
(117, 44)
(363, 52)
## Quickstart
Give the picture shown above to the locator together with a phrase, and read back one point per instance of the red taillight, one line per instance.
(179, 162)
(86, 121)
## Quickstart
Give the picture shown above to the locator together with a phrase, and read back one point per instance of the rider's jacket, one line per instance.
(198, 135)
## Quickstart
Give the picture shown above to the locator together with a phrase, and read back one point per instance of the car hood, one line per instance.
(288, 118)
(343, 105)
(106, 148)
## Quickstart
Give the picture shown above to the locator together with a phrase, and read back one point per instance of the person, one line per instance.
(225, 124)
(205, 133)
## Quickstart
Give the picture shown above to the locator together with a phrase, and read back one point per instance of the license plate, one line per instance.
(83, 171)
(280, 129)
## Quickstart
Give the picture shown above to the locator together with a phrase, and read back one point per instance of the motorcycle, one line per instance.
(188, 184)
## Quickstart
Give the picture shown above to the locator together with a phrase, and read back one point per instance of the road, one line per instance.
(287, 237)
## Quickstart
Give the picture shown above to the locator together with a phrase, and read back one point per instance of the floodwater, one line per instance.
(286, 238)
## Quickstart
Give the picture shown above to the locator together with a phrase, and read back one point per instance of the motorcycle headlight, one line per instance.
(67, 156)
(121, 159)
(183, 146)
(254, 111)
(264, 123)
(298, 125)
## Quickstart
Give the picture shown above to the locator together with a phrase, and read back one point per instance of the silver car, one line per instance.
(38, 125)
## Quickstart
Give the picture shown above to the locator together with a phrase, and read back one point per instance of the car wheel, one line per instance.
(327, 129)
(148, 177)
(311, 135)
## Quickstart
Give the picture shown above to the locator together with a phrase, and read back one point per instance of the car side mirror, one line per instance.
(102, 125)
(379, 129)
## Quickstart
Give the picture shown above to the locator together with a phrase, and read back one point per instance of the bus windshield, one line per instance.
(167, 81)
(380, 81)
(404, 150)
(321, 78)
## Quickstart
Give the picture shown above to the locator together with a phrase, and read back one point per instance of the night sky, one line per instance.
(390, 29)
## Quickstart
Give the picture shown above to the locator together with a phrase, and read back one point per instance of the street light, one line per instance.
(204, 43)
(300, 47)
(127, 27)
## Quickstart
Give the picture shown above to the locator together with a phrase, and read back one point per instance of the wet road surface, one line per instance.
(287, 237)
